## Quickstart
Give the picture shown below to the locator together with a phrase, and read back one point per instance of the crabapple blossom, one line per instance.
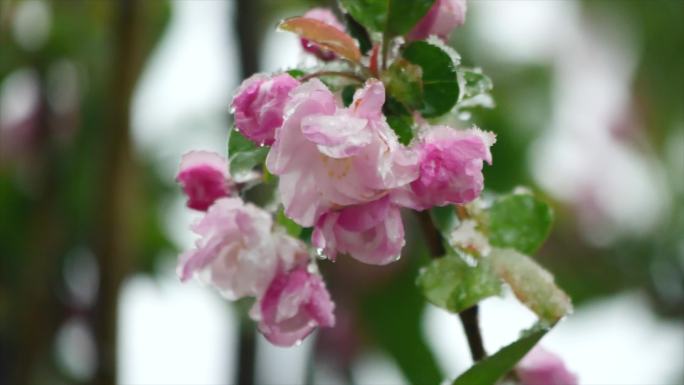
(372, 232)
(237, 252)
(258, 106)
(443, 17)
(204, 178)
(294, 304)
(450, 168)
(329, 157)
(328, 17)
(541, 367)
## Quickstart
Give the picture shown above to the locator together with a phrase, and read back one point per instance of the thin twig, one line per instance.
(469, 317)
(471, 326)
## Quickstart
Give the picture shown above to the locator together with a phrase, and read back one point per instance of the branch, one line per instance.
(469, 317)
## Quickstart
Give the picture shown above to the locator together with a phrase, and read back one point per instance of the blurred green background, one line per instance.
(98, 100)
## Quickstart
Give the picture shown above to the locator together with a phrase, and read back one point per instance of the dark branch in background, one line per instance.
(40, 313)
(469, 317)
(246, 16)
(113, 244)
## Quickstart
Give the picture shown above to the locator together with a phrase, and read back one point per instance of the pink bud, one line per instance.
(204, 178)
(294, 304)
(259, 103)
(541, 367)
(328, 17)
(441, 19)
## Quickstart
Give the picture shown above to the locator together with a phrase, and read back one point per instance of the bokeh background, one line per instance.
(99, 99)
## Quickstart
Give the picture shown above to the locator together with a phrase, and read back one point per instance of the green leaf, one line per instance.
(393, 17)
(348, 95)
(288, 224)
(243, 154)
(371, 13)
(532, 284)
(444, 218)
(358, 32)
(400, 119)
(403, 81)
(519, 221)
(405, 14)
(453, 284)
(440, 79)
(296, 73)
(494, 367)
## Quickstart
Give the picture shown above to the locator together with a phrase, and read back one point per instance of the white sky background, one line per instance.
(173, 333)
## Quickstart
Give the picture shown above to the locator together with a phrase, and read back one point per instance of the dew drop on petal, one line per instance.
(298, 342)
(319, 253)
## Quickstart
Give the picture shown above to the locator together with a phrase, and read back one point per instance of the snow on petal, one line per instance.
(327, 156)
(450, 168)
(372, 233)
(235, 252)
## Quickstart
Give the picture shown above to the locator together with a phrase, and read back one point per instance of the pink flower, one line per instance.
(441, 19)
(328, 157)
(328, 17)
(541, 367)
(295, 303)
(204, 177)
(372, 233)
(237, 252)
(450, 168)
(258, 105)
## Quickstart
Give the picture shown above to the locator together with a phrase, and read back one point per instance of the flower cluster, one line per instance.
(342, 171)
(341, 150)
(241, 254)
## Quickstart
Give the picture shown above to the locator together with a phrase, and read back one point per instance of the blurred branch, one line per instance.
(248, 30)
(113, 247)
(469, 317)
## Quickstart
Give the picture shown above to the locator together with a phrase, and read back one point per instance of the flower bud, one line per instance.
(258, 106)
(441, 19)
(204, 178)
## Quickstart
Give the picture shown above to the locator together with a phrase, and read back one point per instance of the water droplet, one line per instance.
(298, 342)
(319, 253)
(465, 115)
(262, 144)
(312, 268)
(398, 257)
(232, 111)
